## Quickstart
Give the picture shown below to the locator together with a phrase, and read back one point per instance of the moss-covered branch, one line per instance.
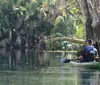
(73, 40)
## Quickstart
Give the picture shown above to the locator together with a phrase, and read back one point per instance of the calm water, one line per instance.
(26, 67)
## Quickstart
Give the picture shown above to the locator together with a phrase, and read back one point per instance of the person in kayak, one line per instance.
(89, 53)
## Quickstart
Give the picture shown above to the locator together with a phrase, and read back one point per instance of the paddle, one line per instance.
(67, 60)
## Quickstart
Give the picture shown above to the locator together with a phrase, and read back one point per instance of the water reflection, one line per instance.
(89, 78)
(26, 59)
(27, 67)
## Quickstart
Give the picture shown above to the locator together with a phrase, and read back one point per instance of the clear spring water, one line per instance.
(26, 67)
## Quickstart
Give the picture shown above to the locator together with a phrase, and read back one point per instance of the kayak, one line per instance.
(93, 65)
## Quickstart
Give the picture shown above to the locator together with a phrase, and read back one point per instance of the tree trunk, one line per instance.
(79, 41)
(91, 14)
(87, 18)
(96, 21)
(96, 18)
(13, 37)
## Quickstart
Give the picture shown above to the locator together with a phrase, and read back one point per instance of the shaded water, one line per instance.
(26, 67)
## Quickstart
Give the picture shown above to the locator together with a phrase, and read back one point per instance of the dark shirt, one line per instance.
(88, 53)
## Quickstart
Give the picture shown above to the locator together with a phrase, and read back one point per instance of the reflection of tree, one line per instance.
(1, 58)
(89, 78)
(31, 58)
(43, 59)
(4, 59)
(13, 58)
(27, 59)
(40, 61)
(23, 58)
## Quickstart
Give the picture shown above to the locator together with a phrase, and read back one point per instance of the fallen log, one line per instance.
(73, 40)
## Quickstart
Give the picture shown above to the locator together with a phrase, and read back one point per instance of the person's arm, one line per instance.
(82, 54)
(80, 57)
(96, 52)
(97, 59)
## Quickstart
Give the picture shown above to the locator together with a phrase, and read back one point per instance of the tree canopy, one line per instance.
(31, 19)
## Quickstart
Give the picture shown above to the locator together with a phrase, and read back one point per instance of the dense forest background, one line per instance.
(28, 23)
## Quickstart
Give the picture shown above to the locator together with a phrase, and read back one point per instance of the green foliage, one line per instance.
(49, 45)
(67, 19)
(74, 10)
(58, 45)
(35, 17)
(79, 31)
(64, 26)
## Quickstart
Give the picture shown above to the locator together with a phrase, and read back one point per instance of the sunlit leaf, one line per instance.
(79, 31)
(22, 8)
(33, 1)
(43, 5)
